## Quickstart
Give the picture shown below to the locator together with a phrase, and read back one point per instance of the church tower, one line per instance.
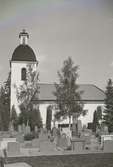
(22, 56)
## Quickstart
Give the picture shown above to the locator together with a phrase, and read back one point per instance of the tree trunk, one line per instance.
(69, 122)
(54, 121)
(75, 126)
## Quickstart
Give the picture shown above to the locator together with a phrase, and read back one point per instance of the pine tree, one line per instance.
(49, 117)
(108, 111)
(34, 118)
(68, 97)
(5, 104)
(14, 117)
(97, 116)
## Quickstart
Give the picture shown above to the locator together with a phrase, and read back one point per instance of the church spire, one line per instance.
(23, 36)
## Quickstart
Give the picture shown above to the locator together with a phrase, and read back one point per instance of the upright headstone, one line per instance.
(86, 136)
(62, 142)
(27, 129)
(36, 143)
(77, 145)
(106, 130)
(36, 129)
(19, 128)
(11, 129)
(68, 133)
(20, 138)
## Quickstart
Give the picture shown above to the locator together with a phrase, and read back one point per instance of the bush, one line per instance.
(29, 136)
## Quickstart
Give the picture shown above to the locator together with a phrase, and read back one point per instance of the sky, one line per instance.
(81, 29)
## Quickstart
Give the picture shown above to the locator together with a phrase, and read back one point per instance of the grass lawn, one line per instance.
(89, 160)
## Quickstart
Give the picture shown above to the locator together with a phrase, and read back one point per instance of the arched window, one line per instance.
(23, 74)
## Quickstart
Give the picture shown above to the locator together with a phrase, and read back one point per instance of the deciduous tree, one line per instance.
(68, 97)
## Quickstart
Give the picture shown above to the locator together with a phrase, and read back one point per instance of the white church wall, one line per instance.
(85, 120)
(43, 112)
(90, 110)
(16, 81)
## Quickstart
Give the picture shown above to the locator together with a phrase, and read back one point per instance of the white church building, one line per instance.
(24, 55)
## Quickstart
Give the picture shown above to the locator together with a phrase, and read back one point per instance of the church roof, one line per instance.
(91, 93)
(23, 53)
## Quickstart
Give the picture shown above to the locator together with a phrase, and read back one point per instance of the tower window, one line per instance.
(23, 74)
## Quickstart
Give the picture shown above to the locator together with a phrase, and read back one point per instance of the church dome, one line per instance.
(23, 53)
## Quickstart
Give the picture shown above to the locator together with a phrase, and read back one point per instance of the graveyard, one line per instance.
(24, 142)
(48, 148)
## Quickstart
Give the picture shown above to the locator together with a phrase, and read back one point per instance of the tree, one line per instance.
(108, 111)
(49, 117)
(34, 118)
(14, 117)
(25, 94)
(29, 87)
(23, 115)
(5, 104)
(68, 97)
(97, 116)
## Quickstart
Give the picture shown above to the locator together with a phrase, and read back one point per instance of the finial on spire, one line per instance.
(23, 36)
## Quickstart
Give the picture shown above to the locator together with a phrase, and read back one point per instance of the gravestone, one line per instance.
(13, 148)
(77, 145)
(62, 142)
(27, 129)
(86, 135)
(106, 130)
(20, 138)
(68, 133)
(11, 129)
(36, 129)
(35, 143)
(19, 129)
